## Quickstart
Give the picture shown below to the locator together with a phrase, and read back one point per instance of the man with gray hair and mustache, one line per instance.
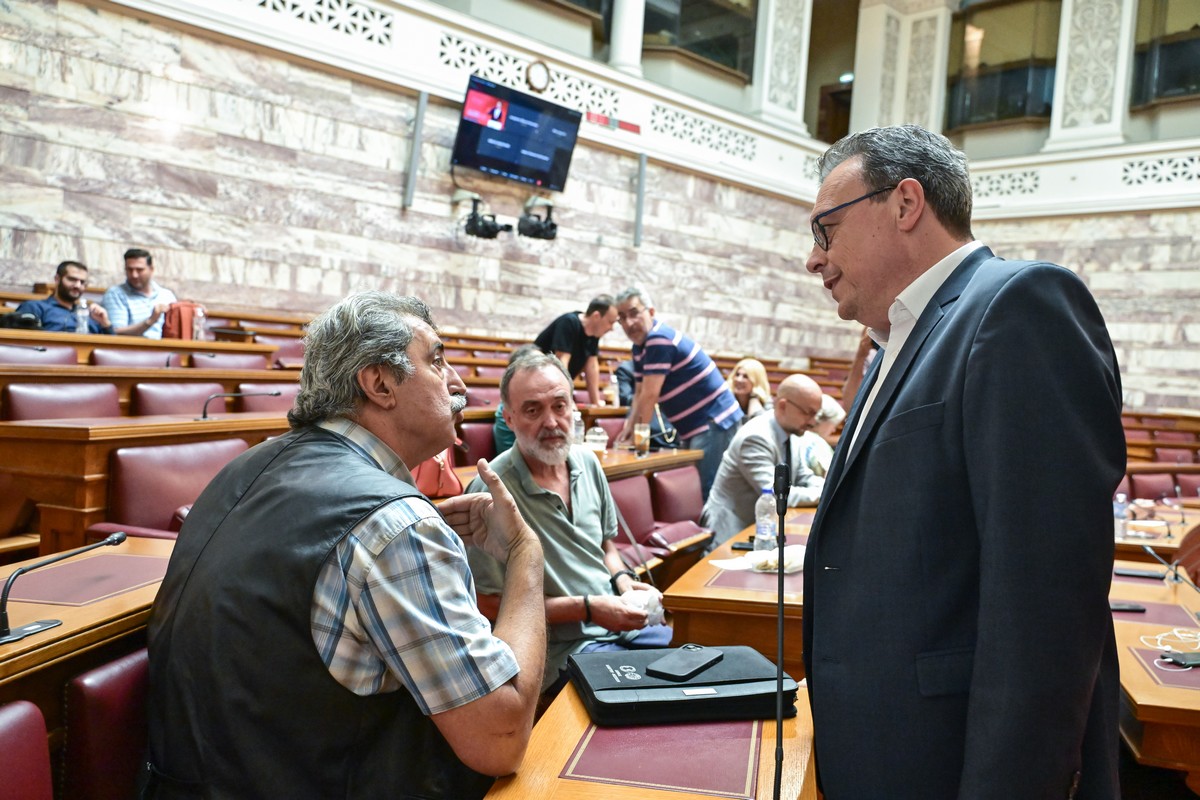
(591, 597)
(317, 634)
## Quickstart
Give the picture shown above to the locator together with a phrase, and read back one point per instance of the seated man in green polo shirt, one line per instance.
(592, 601)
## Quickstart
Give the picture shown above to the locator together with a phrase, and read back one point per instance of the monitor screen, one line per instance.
(515, 135)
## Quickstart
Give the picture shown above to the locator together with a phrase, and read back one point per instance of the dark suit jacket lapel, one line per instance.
(932, 315)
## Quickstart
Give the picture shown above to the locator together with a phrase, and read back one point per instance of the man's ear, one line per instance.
(378, 385)
(911, 196)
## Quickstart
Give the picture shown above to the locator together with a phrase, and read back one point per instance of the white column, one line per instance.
(900, 63)
(1092, 74)
(781, 62)
(625, 39)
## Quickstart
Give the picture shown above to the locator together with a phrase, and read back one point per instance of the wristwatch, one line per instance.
(613, 579)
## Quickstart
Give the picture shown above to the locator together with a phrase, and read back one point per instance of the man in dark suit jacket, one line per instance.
(957, 636)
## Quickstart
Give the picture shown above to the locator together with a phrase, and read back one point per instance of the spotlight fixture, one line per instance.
(484, 226)
(532, 225)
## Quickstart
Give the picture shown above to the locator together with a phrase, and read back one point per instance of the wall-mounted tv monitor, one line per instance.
(515, 135)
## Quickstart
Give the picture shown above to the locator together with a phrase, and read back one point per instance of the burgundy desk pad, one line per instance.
(761, 581)
(1165, 673)
(1171, 614)
(666, 757)
(77, 583)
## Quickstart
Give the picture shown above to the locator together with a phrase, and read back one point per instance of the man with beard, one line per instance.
(57, 312)
(562, 493)
(138, 305)
(316, 635)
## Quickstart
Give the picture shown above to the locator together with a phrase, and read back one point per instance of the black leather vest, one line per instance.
(241, 704)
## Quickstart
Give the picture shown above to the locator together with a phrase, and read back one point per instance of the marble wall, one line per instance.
(262, 182)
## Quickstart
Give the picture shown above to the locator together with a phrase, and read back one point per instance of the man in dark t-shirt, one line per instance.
(575, 339)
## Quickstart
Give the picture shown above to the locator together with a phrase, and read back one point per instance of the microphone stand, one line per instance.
(211, 397)
(783, 485)
(1172, 570)
(36, 347)
(9, 635)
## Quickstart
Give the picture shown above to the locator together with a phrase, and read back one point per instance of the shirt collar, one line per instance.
(369, 445)
(911, 302)
(526, 477)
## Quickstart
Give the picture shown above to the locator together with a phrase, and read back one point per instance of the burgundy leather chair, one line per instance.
(1151, 486)
(612, 426)
(37, 354)
(291, 348)
(106, 728)
(1137, 435)
(676, 495)
(1189, 484)
(487, 396)
(480, 442)
(1174, 436)
(582, 398)
(486, 371)
(662, 539)
(283, 403)
(171, 397)
(24, 401)
(229, 361)
(1173, 455)
(116, 357)
(26, 774)
(148, 485)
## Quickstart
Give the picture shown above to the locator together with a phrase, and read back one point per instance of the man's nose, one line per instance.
(453, 381)
(816, 259)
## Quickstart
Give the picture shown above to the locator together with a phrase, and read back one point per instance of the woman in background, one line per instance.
(749, 384)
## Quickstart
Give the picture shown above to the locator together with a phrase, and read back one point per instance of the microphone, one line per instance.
(37, 347)
(211, 397)
(1179, 497)
(9, 635)
(1172, 568)
(783, 485)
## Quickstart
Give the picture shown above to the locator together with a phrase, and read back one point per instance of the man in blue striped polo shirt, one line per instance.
(673, 373)
(137, 306)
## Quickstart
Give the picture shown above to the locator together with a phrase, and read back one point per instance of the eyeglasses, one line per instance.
(821, 233)
(630, 315)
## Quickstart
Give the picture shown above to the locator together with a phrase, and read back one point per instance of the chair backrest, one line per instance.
(1152, 486)
(1174, 436)
(483, 396)
(37, 354)
(582, 398)
(289, 346)
(106, 728)
(1189, 485)
(117, 357)
(229, 361)
(612, 426)
(172, 397)
(632, 496)
(265, 402)
(486, 371)
(26, 753)
(1173, 455)
(147, 484)
(23, 401)
(676, 495)
(480, 441)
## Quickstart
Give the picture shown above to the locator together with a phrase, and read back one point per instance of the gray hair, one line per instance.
(639, 293)
(530, 358)
(889, 155)
(831, 411)
(362, 330)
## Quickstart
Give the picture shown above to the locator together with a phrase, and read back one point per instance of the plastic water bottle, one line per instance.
(579, 427)
(765, 530)
(81, 317)
(1120, 514)
(198, 323)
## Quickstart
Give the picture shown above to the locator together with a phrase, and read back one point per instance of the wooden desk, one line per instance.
(124, 378)
(709, 614)
(84, 343)
(1159, 723)
(37, 667)
(62, 464)
(1179, 523)
(563, 725)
